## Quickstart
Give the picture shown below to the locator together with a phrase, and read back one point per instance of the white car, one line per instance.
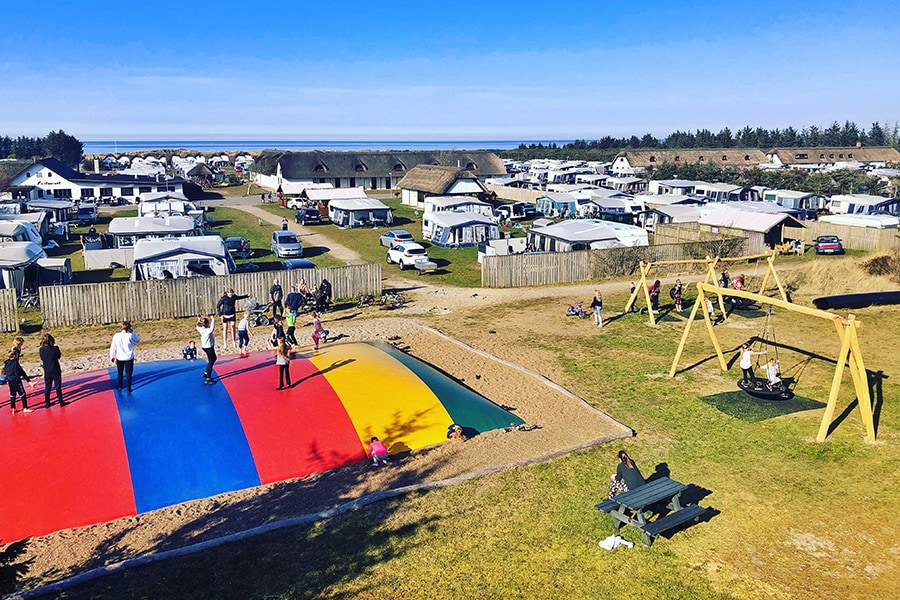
(295, 203)
(406, 255)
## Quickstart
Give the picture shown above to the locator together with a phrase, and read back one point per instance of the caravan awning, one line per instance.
(18, 255)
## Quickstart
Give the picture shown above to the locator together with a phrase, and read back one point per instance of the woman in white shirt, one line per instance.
(121, 352)
(746, 364)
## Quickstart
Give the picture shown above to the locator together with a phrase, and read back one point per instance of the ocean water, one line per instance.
(112, 147)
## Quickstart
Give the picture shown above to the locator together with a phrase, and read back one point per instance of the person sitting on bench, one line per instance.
(627, 476)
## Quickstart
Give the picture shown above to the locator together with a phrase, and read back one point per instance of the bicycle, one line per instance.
(30, 301)
(393, 299)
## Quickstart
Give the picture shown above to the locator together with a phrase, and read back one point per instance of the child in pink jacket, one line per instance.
(378, 451)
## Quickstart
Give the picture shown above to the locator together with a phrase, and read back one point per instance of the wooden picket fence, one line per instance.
(9, 314)
(104, 303)
(524, 270)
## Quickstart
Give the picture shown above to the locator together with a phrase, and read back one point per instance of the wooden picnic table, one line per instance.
(631, 508)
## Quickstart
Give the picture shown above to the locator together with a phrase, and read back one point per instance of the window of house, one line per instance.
(677, 158)
(841, 155)
(337, 182)
(831, 156)
(374, 183)
(360, 168)
(746, 157)
(822, 155)
(724, 157)
(398, 168)
(801, 156)
(353, 182)
(701, 158)
(128, 191)
(106, 192)
(652, 159)
(87, 192)
(62, 193)
(146, 189)
(471, 166)
(850, 155)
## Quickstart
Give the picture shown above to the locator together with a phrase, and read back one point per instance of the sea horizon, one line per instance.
(115, 146)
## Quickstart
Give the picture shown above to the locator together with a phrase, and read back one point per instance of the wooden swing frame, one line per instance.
(712, 265)
(849, 354)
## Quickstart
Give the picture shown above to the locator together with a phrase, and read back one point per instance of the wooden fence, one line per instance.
(9, 314)
(173, 298)
(521, 270)
(853, 238)
(515, 194)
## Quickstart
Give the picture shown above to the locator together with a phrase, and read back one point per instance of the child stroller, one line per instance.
(258, 316)
(577, 310)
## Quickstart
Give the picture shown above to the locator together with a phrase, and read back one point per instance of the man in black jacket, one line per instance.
(276, 293)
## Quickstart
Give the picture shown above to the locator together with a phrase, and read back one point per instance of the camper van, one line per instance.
(87, 214)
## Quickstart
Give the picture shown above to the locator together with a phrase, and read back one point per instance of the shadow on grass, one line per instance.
(741, 406)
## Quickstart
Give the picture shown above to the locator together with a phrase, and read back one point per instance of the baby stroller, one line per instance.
(577, 310)
(258, 316)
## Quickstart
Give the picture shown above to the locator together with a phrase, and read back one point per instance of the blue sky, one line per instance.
(442, 71)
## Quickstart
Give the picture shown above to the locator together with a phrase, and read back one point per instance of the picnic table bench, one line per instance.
(630, 508)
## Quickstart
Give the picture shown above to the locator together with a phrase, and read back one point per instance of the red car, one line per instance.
(828, 244)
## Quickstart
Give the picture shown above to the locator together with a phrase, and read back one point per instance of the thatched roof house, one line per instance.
(632, 162)
(817, 158)
(368, 170)
(436, 180)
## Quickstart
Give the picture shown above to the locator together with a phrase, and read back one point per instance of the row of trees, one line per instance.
(606, 147)
(57, 144)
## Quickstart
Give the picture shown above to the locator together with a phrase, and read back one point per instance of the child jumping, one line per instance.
(283, 360)
(243, 331)
(319, 332)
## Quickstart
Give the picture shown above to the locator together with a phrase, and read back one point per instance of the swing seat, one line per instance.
(762, 390)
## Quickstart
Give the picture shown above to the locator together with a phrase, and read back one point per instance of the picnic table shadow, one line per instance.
(694, 494)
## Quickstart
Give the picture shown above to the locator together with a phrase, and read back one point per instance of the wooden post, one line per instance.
(835, 386)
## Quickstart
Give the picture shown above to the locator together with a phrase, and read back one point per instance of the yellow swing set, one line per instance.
(849, 354)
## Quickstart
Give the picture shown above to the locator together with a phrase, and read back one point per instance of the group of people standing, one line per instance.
(16, 377)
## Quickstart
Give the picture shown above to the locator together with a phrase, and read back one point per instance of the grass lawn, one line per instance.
(789, 517)
(456, 266)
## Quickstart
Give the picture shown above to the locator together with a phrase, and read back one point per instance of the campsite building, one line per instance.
(50, 179)
(762, 229)
(825, 158)
(635, 162)
(423, 181)
(370, 170)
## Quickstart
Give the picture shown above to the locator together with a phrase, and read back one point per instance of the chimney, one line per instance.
(96, 165)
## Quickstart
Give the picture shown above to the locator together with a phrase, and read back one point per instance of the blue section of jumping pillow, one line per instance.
(183, 437)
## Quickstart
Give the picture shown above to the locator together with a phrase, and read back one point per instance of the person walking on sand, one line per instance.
(50, 355)
(284, 224)
(276, 294)
(319, 332)
(121, 352)
(597, 305)
(227, 311)
(205, 326)
(14, 376)
(283, 360)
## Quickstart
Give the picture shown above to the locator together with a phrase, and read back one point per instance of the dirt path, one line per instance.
(307, 235)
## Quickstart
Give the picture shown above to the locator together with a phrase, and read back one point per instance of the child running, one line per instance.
(319, 332)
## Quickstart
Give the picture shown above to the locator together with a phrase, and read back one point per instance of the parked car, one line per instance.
(238, 247)
(406, 254)
(828, 244)
(393, 237)
(299, 263)
(296, 203)
(285, 243)
(305, 216)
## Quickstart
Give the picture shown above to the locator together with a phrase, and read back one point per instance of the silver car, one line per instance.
(285, 244)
